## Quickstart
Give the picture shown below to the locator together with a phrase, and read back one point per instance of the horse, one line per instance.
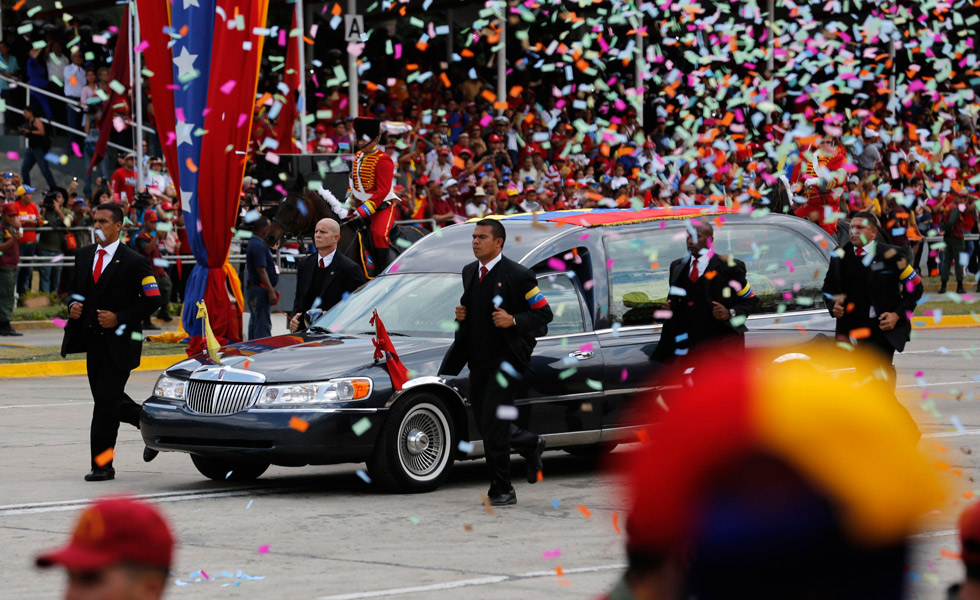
(297, 216)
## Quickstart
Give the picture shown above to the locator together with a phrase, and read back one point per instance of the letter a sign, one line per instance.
(353, 28)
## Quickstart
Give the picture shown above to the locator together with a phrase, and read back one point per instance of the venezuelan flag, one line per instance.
(150, 287)
(535, 298)
(746, 292)
(909, 274)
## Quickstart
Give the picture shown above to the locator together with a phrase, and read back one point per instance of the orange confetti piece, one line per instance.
(950, 555)
(502, 105)
(540, 476)
(183, 30)
(516, 91)
(585, 511)
(489, 96)
(445, 80)
(968, 495)
(190, 165)
(19, 5)
(72, 80)
(299, 424)
(860, 333)
(336, 10)
(466, 53)
(559, 571)
(104, 458)
(643, 435)
(709, 275)
(616, 523)
(307, 40)
(422, 46)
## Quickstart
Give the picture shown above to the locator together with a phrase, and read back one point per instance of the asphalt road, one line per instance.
(322, 532)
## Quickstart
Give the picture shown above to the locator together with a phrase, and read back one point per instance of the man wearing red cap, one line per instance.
(370, 188)
(120, 549)
(969, 526)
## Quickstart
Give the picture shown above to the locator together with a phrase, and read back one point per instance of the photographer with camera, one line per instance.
(51, 243)
(38, 144)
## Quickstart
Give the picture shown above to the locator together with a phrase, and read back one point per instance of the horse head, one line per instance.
(294, 216)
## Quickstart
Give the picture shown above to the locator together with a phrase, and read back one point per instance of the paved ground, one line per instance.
(329, 535)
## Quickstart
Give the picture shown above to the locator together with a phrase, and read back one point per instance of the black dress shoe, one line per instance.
(101, 474)
(149, 454)
(505, 499)
(10, 331)
(534, 464)
(149, 326)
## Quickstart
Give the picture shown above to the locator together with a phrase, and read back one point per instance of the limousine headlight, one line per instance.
(170, 387)
(317, 392)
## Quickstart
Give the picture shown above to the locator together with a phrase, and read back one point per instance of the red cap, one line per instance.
(320, 128)
(496, 137)
(970, 532)
(150, 216)
(10, 209)
(571, 182)
(443, 151)
(113, 531)
(167, 205)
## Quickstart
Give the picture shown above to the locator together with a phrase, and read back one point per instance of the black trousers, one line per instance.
(112, 405)
(883, 356)
(499, 436)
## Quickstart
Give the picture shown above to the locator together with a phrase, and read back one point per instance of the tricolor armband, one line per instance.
(364, 210)
(150, 287)
(746, 292)
(909, 274)
(535, 299)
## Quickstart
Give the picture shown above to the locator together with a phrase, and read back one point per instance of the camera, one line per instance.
(142, 200)
(47, 203)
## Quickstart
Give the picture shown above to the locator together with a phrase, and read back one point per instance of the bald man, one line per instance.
(324, 278)
(709, 300)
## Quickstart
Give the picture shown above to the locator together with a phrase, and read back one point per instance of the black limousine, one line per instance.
(604, 273)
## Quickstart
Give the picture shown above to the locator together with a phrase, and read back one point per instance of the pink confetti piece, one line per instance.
(282, 37)
(13, 155)
(241, 119)
(142, 46)
(789, 264)
(228, 86)
(624, 375)
(204, 575)
(585, 347)
(264, 549)
(180, 114)
(59, 322)
(76, 150)
(398, 51)
(551, 553)
(556, 264)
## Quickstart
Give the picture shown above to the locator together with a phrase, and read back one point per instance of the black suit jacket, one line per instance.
(343, 276)
(517, 283)
(892, 283)
(120, 290)
(743, 301)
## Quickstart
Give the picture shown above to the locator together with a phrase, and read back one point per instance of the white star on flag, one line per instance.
(185, 200)
(190, 3)
(185, 63)
(184, 133)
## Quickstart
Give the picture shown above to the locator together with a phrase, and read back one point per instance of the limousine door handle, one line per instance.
(582, 355)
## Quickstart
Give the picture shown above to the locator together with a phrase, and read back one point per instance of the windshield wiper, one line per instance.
(372, 333)
(318, 329)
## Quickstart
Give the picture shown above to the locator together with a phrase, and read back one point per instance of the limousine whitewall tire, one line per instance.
(415, 450)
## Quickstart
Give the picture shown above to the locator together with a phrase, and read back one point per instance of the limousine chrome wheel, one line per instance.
(415, 450)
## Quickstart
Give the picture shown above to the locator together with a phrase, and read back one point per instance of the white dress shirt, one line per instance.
(325, 260)
(74, 90)
(110, 251)
(492, 263)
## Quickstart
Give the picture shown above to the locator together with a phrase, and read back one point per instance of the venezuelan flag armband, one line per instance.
(150, 287)
(535, 299)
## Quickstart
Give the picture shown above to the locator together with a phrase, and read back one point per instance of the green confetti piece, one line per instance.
(361, 426)
(501, 380)
(595, 385)
(567, 373)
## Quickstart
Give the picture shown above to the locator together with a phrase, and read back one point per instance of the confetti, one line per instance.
(361, 426)
(104, 457)
(264, 549)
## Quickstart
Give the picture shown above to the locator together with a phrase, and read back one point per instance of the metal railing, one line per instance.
(30, 88)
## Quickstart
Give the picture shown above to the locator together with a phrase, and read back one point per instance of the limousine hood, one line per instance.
(311, 357)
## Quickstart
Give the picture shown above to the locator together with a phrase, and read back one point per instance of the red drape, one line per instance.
(223, 151)
(119, 71)
(159, 61)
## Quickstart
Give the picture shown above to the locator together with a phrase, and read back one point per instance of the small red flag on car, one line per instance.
(383, 348)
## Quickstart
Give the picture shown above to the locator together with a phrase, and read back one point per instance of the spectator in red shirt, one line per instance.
(124, 180)
(442, 209)
(30, 219)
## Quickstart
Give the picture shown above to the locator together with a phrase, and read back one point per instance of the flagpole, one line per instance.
(135, 77)
(502, 55)
(352, 77)
(301, 51)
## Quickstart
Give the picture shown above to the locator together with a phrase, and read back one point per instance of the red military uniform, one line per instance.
(370, 186)
(827, 192)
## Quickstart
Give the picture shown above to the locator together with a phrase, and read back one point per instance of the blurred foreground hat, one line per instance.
(115, 531)
(10, 209)
(969, 525)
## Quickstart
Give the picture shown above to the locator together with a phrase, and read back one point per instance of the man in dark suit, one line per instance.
(499, 317)
(325, 277)
(872, 290)
(709, 300)
(112, 292)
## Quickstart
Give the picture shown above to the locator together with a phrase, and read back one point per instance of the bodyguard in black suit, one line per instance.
(499, 316)
(709, 299)
(323, 278)
(112, 292)
(872, 290)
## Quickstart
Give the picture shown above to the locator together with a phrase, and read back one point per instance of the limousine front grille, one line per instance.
(212, 398)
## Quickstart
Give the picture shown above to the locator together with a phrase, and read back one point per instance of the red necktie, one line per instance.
(483, 273)
(860, 252)
(694, 270)
(322, 266)
(98, 266)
